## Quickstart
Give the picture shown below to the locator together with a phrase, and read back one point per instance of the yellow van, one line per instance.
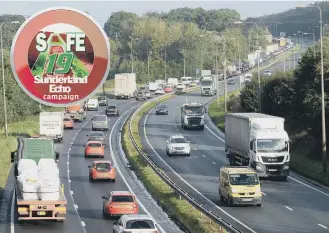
(239, 186)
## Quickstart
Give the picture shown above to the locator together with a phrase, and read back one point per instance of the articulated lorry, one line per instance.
(34, 199)
(125, 85)
(76, 112)
(209, 85)
(52, 125)
(259, 141)
(193, 115)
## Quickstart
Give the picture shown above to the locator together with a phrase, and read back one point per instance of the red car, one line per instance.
(118, 203)
(68, 123)
(168, 89)
(102, 170)
(94, 148)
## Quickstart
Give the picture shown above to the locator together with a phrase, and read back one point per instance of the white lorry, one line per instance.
(259, 141)
(52, 125)
(205, 73)
(125, 85)
(172, 81)
(209, 86)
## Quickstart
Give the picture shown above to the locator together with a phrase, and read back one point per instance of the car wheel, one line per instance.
(189, 154)
(113, 180)
(202, 127)
(92, 129)
(259, 205)
(91, 179)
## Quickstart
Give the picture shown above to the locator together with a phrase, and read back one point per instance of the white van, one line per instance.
(92, 105)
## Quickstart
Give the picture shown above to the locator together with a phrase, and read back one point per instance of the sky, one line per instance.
(101, 10)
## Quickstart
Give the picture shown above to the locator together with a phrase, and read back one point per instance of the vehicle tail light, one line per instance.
(134, 206)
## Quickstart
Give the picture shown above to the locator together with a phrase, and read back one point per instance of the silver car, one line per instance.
(97, 136)
(178, 145)
(100, 122)
(141, 223)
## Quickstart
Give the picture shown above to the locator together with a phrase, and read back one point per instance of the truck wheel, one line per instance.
(16, 170)
(188, 154)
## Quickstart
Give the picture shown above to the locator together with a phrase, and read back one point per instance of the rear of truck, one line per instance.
(52, 125)
(76, 112)
(125, 85)
(31, 209)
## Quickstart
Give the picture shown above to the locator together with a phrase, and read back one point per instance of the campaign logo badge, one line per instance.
(60, 56)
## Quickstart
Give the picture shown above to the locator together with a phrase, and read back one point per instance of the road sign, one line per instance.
(282, 34)
(60, 56)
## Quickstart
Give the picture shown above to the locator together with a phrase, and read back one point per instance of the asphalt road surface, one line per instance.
(87, 195)
(292, 206)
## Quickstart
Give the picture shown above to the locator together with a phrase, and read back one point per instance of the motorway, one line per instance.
(292, 206)
(84, 209)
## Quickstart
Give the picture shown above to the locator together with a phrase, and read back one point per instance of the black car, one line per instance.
(102, 100)
(161, 110)
(97, 136)
(112, 110)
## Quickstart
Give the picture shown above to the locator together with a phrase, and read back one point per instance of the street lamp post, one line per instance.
(3, 78)
(131, 53)
(306, 33)
(295, 53)
(302, 33)
(258, 54)
(323, 104)
(224, 70)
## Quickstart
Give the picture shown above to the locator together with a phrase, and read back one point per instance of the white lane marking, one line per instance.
(83, 223)
(213, 162)
(72, 192)
(69, 181)
(195, 149)
(76, 206)
(315, 189)
(322, 226)
(264, 193)
(288, 208)
(204, 156)
(188, 184)
(12, 212)
(119, 170)
(294, 179)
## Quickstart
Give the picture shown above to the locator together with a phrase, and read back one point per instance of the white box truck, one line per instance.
(209, 85)
(259, 141)
(172, 81)
(125, 85)
(153, 87)
(52, 125)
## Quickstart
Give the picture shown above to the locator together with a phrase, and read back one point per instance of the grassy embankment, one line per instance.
(301, 148)
(179, 209)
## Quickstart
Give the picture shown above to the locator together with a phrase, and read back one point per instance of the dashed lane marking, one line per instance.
(322, 226)
(288, 208)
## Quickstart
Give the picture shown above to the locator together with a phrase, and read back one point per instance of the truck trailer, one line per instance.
(37, 209)
(125, 85)
(259, 141)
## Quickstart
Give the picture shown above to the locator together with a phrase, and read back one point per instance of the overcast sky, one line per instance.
(101, 10)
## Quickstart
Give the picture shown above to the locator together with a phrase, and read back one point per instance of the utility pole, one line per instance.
(131, 56)
(224, 66)
(184, 61)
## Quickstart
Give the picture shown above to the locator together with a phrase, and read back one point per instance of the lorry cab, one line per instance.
(193, 115)
(239, 186)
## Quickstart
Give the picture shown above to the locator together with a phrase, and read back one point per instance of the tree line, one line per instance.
(298, 19)
(294, 95)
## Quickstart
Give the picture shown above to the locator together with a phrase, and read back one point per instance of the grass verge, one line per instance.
(300, 162)
(179, 210)
(29, 125)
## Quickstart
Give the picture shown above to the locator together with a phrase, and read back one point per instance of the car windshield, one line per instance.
(111, 107)
(99, 118)
(140, 93)
(272, 145)
(94, 144)
(206, 83)
(67, 119)
(102, 98)
(122, 198)
(162, 107)
(244, 179)
(178, 140)
(193, 110)
(159, 89)
(96, 134)
(267, 71)
(140, 224)
(103, 167)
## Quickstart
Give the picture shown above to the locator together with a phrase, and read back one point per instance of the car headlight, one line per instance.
(234, 190)
(258, 190)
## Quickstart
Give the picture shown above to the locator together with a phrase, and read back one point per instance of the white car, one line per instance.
(180, 86)
(159, 91)
(135, 223)
(178, 145)
(267, 73)
(147, 94)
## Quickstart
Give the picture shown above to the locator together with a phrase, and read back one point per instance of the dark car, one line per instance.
(161, 110)
(112, 110)
(97, 136)
(102, 101)
(140, 96)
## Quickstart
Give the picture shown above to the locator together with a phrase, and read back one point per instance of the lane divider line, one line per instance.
(188, 184)
(288, 208)
(83, 223)
(76, 206)
(322, 226)
(119, 170)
